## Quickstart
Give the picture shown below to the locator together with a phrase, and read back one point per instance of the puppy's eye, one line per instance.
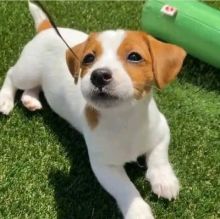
(134, 57)
(88, 59)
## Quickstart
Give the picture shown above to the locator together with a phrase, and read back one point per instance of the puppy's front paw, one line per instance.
(139, 209)
(163, 181)
(6, 104)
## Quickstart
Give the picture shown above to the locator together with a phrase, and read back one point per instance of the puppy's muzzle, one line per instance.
(101, 77)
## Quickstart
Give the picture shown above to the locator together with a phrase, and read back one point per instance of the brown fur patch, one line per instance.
(140, 73)
(45, 24)
(161, 61)
(91, 45)
(94, 47)
(167, 60)
(92, 116)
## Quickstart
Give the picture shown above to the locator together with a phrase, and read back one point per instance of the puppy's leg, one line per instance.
(163, 181)
(115, 180)
(7, 94)
(24, 75)
(30, 99)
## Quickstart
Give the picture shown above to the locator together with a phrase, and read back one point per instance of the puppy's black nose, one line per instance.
(101, 77)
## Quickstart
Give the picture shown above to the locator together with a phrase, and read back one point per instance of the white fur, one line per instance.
(30, 99)
(121, 135)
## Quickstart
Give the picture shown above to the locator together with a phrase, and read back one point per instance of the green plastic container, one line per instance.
(195, 27)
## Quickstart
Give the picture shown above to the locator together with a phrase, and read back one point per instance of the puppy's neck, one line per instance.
(134, 107)
(135, 113)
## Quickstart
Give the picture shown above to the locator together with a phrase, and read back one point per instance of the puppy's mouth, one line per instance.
(103, 96)
(104, 99)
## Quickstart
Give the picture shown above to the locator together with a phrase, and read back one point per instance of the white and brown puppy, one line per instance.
(108, 98)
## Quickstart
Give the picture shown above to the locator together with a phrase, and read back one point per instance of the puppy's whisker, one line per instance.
(120, 84)
(142, 85)
(137, 84)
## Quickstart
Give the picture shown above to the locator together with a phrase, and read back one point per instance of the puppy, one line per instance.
(106, 94)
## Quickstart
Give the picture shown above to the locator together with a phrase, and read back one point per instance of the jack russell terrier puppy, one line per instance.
(106, 94)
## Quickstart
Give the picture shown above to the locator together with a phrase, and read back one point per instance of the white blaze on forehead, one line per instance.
(110, 41)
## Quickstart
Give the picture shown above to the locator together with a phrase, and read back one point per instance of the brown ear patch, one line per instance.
(92, 116)
(161, 62)
(141, 72)
(167, 60)
(45, 24)
(73, 61)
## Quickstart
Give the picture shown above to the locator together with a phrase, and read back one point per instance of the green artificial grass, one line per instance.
(44, 167)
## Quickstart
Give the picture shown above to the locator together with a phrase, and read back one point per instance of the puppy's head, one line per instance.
(120, 66)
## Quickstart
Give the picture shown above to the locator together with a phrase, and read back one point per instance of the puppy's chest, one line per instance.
(119, 141)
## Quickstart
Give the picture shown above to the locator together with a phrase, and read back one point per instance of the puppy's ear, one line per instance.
(167, 60)
(74, 61)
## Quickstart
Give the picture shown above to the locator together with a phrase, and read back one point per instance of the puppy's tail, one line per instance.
(41, 20)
